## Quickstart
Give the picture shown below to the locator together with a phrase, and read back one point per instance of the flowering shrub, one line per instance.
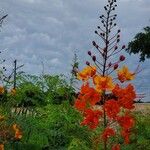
(99, 86)
(8, 133)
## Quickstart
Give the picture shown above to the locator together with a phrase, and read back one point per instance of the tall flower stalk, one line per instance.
(99, 87)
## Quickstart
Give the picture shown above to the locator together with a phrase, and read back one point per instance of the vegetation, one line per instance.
(46, 112)
(141, 44)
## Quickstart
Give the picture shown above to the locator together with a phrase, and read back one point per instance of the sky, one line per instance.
(48, 32)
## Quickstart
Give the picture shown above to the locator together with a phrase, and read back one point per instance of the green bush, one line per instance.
(54, 126)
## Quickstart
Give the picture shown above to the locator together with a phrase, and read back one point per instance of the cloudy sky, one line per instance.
(48, 32)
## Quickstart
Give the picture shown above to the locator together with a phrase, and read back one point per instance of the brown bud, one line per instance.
(115, 66)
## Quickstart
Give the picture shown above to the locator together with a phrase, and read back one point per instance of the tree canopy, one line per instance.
(141, 44)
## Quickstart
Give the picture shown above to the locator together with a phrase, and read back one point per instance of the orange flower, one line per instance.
(125, 75)
(80, 104)
(13, 91)
(91, 118)
(125, 96)
(88, 96)
(107, 133)
(86, 73)
(126, 122)
(126, 135)
(116, 147)
(1, 146)
(2, 90)
(103, 83)
(112, 108)
(18, 133)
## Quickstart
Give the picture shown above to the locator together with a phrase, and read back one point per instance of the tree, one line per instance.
(141, 44)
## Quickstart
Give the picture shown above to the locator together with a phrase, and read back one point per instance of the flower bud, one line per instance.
(116, 47)
(89, 53)
(115, 66)
(109, 65)
(123, 47)
(96, 32)
(94, 44)
(87, 63)
(119, 31)
(94, 58)
(98, 27)
(118, 40)
(118, 36)
(122, 58)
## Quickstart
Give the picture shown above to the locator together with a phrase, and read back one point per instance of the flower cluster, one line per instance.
(117, 109)
(115, 96)
(8, 132)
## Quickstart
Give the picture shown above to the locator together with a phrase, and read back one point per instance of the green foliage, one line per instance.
(58, 90)
(53, 126)
(29, 94)
(141, 44)
(42, 90)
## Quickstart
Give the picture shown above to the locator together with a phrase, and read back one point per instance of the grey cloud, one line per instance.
(50, 31)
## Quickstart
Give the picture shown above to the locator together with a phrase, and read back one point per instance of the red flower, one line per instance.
(126, 122)
(108, 132)
(116, 147)
(126, 135)
(91, 118)
(125, 96)
(88, 96)
(112, 108)
(80, 105)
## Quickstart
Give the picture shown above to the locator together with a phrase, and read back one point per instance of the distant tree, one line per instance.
(141, 44)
